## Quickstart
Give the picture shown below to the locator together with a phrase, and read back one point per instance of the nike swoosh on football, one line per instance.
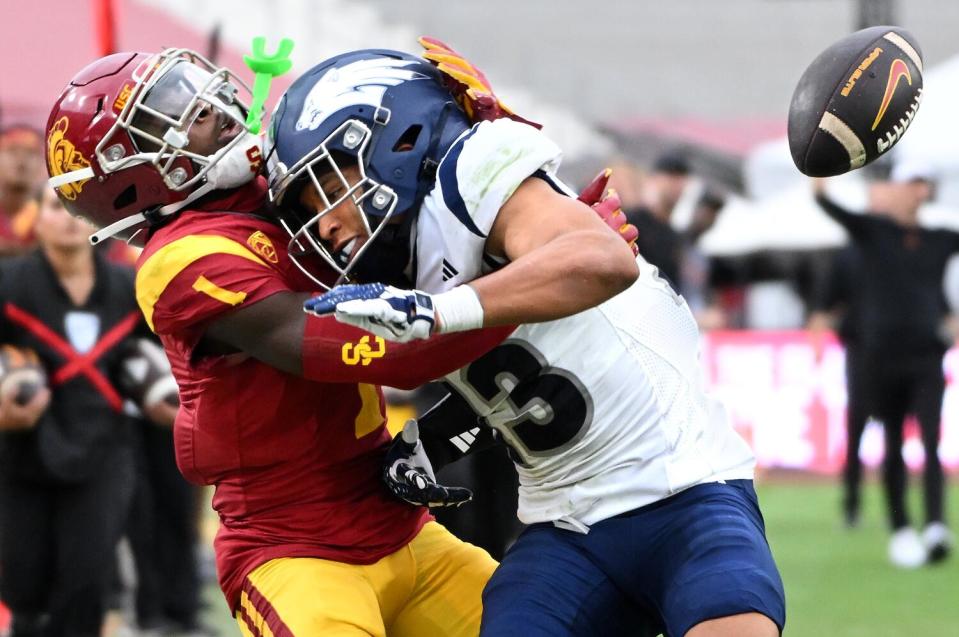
(897, 70)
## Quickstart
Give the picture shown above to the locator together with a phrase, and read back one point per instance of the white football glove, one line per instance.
(396, 315)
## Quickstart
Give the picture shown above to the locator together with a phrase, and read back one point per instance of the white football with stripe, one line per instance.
(855, 101)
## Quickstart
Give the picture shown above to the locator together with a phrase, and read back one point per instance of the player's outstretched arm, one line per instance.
(277, 332)
(451, 430)
(855, 224)
(563, 259)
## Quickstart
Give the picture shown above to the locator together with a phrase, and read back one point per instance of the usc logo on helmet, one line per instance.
(122, 98)
(362, 353)
(63, 157)
(262, 245)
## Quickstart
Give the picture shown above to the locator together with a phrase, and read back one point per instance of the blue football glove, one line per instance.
(409, 475)
(396, 315)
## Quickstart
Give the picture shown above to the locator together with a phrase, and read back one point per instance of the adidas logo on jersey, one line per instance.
(448, 270)
(465, 440)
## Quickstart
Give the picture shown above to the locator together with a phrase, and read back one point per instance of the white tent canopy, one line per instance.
(934, 134)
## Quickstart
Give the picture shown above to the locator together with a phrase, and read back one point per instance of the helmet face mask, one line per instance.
(374, 202)
(137, 136)
(170, 93)
(388, 115)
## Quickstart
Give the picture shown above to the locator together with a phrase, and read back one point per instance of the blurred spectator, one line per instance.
(658, 242)
(695, 268)
(66, 470)
(163, 532)
(163, 529)
(649, 202)
(21, 174)
(900, 314)
(835, 307)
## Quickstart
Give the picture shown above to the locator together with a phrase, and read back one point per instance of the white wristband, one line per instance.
(458, 310)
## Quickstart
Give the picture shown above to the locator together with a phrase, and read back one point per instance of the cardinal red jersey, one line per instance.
(296, 462)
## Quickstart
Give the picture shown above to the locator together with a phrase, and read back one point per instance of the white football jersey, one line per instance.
(605, 410)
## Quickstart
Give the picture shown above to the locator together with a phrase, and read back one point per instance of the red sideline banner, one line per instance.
(787, 397)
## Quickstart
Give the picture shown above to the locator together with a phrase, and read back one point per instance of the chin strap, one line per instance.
(128, 222)
(71, 177)
(427, 174)
(117, 227)
(232, 167)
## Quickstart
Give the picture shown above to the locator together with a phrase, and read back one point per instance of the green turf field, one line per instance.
(838, 582)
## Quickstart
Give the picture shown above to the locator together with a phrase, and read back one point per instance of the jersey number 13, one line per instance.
(539, 410)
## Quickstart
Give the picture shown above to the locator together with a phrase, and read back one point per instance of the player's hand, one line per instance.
(609, 208)
(592, 194)
(396, 315)
(467, 84)
(161, 413)
(409, 475)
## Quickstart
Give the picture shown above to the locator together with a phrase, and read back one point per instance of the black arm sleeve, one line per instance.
(835, 288)
(451, 430)
(855, 224)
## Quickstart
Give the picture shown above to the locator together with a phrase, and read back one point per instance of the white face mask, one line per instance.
(232, 167)
(236, 164)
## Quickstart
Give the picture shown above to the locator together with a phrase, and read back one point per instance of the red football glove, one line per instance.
(609, 208)
(467, 84)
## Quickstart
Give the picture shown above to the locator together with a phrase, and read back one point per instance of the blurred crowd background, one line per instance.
(686, 101)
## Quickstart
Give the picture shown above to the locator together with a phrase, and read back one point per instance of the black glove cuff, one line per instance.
(451, 430)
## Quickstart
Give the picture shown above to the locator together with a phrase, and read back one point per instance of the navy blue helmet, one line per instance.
(384, 112)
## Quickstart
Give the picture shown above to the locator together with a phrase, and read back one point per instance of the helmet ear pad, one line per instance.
(424, 122)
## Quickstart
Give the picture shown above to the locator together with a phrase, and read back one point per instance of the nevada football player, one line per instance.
(637, 490)
(280, 410)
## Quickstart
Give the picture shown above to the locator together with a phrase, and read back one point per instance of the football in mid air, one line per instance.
(21, 373)
(145, 375)
(855, 101)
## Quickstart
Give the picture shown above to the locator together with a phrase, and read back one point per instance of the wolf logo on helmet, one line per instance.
(362, 82)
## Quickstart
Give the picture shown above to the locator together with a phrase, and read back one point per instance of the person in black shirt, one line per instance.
(658, 242)
(837, 294)
(66, 468)
(899, 313)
